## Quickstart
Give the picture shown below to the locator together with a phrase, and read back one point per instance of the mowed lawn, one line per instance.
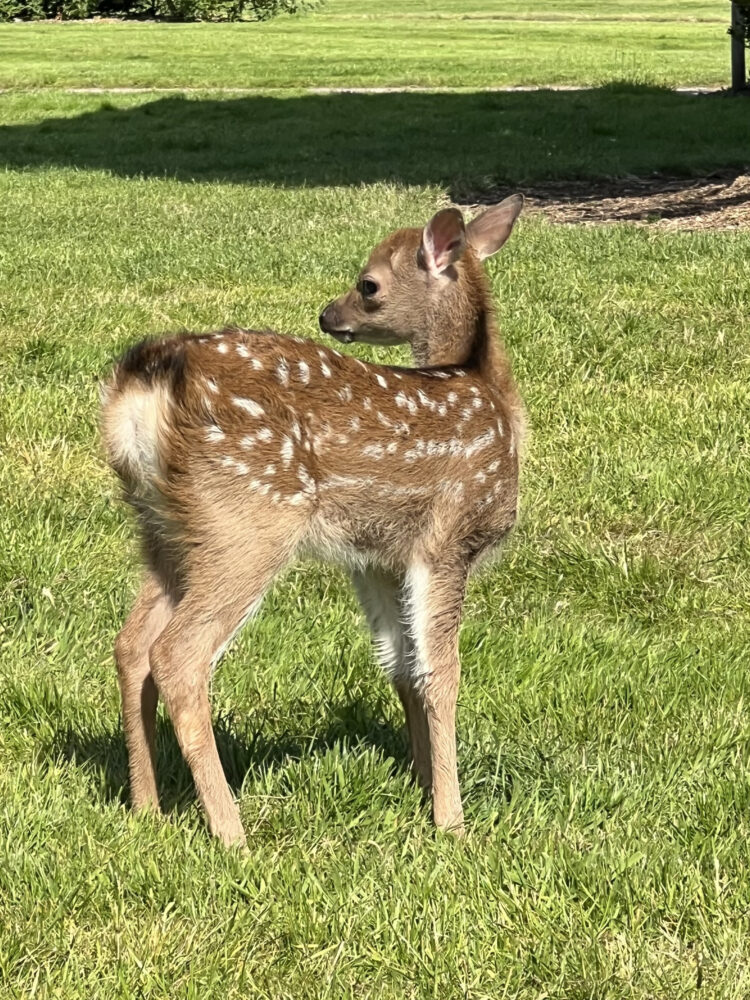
(447, 43)
(603, 720)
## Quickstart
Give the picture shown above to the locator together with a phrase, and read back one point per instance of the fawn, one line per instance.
(241, 449)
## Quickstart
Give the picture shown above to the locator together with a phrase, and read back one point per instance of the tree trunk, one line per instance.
(739, 75)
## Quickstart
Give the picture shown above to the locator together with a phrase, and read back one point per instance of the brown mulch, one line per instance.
(717, 201)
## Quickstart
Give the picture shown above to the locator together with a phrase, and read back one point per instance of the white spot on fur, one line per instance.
(270, 470)
(253, 408)
(367, 403)
(287, 450)
(296, 499)
(386, 489)
(264, 434)
(373, 451)
(242, 350)
(452, 397)
(257, 365)
(308, 483)
(481, 442)
(282, 372)
(392, 448)
(433, 449)
(326, 371)
(221, 347)
(381, 381)
(247, 441)
(402, 400)
(354, 423)
(211, 385)
(232, 463)
(296, 431)
(304, 372)
(345, 394)
(214, 433)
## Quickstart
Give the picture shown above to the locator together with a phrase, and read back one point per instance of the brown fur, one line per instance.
(240, 449)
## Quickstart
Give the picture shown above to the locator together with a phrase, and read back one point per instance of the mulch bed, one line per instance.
(718, 201)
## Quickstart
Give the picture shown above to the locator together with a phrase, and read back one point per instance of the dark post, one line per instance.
(739, 74)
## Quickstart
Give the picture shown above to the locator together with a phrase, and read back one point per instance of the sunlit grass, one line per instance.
(603, 728)
(448, 44)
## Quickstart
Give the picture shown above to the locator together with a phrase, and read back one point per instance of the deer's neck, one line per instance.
(463, 332)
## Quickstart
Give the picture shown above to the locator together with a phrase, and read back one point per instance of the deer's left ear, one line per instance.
(487, 233)
(443, 241)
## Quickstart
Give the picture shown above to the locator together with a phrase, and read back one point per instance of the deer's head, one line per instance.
(416, 275)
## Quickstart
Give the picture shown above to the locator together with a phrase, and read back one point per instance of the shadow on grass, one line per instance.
(104, 756)
(469, 142)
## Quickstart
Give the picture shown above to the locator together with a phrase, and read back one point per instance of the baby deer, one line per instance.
(241, 449)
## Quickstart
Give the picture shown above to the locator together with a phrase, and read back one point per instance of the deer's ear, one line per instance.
(487, 233)
(443, 241)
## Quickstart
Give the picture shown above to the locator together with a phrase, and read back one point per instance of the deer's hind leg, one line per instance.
(382, 599)
(151, 612)
(225, 584)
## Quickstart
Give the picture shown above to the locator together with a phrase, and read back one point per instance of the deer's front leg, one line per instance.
(435, 594)
(381, 597)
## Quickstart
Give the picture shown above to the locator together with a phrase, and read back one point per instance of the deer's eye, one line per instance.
(368, 287)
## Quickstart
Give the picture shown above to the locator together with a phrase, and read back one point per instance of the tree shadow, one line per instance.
(468, 142)
(103, 754)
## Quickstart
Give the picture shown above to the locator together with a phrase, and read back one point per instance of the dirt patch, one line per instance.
(717, 201)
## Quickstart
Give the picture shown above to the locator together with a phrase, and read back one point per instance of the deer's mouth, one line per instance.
(343, 336)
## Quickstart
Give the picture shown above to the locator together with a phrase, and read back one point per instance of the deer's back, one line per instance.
(378, 459)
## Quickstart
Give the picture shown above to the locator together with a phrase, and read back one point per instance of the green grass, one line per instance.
(455, 44)
(603, 727)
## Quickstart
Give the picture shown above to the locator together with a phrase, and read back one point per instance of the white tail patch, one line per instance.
(132, 423)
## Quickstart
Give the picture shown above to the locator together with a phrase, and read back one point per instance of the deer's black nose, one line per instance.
(330, 322)
(324, 319)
